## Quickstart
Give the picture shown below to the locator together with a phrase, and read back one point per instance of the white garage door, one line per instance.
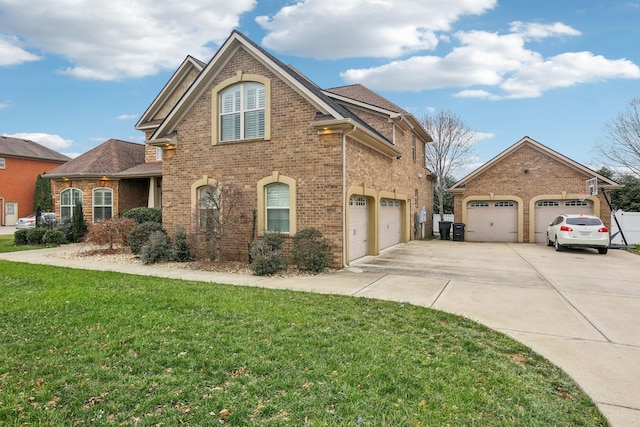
(492, 221)
(358, 227)
(390, 223)
(548, 210)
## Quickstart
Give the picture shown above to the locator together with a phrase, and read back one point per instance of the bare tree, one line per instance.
(218, 212)
(621, 145)
(452, 147)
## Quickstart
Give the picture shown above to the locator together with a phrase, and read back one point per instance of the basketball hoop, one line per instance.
(592, 187)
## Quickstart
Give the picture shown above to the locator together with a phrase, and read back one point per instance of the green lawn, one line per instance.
(97, 348)
(7, 245)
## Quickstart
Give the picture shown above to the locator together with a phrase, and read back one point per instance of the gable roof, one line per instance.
(27, 149)
(179, 82)
(603, 181)
(331, 112)
(107, 159)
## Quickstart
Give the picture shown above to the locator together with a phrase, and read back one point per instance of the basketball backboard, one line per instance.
(592, 187)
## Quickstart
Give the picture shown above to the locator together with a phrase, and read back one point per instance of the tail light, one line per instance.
(565, 228)
(603, 230)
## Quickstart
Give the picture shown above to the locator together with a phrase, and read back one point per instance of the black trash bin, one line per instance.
(445, 230)
(458, 232)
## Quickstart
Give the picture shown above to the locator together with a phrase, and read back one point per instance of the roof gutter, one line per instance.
(359, 133)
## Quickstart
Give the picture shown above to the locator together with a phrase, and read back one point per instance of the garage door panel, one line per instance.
(492, 221)
(390, 223)
(547, 210)
(358, 227)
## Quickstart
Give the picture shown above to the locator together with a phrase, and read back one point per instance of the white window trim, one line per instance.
(71, 189)
(262, 206)
(94, 205)
(3, 163)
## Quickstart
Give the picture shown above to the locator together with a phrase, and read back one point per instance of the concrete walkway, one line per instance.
(577, 308)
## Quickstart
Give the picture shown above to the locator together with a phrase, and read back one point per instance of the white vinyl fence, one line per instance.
(436, 220)
(630, 224)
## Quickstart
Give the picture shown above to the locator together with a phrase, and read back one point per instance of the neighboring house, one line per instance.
(343, 160)
(109, 179)
(514, 196)
(21, 161)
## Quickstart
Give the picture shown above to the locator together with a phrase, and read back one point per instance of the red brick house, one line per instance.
(514, 196)
(343, 160)
(21, 161)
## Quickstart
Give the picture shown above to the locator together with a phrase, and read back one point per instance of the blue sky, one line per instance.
(74, 73)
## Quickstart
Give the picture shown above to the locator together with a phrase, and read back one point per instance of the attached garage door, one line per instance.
(390, 223)
(547, 210)
(358, 227)
(492, 221)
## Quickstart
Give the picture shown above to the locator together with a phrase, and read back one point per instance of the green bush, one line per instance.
(274, 240)
(310, 250)
(157, 249)
(143, 214)
(79, 227)
(35, 235)
(265, 260)
(181, 251)
(53, 237)
(139, 235)
(20, 237)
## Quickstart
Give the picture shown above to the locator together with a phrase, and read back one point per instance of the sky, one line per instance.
(74, 73)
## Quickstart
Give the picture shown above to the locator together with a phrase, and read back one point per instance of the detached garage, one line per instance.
(514, 196)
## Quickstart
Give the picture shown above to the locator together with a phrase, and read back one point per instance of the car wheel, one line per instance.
(549, 242)
(557, 245)
(603, 251)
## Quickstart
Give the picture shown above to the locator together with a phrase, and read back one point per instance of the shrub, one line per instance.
(310, 250)
(144, 214)
(79, 227)
(20, 237)
(265, 260)
(53, 237)
(274, 240)
(158, 248)
(139, 235)
(110, 231)
(181, 251)
(66, 227)
(35, 235)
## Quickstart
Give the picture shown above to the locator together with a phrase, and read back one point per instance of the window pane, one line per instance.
(65, 212)
(278, 220)
(65, 197)
(254, 124)
(230, 125)
(230, 100)
(278, 195)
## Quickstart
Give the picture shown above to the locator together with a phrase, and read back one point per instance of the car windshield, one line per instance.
(584, 221)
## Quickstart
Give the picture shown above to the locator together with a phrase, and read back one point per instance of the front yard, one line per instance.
(86, 347)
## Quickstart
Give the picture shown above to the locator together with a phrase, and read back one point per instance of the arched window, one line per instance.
(102, 204)
(242, 114)
(68, 199)
(277, 208)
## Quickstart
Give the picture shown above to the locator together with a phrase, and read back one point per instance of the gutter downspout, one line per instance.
(2, 219)
(345, 205)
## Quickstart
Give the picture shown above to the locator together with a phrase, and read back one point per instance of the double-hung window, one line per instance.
(242, 111)
(68, 199)
(102, 204)
(277, 206)
(208, 206)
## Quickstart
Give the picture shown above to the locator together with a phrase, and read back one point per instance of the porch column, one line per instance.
(152, 192)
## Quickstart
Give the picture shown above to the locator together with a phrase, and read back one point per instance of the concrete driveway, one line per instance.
(577, 308)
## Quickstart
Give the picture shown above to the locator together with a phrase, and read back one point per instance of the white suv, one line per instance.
(578, 230)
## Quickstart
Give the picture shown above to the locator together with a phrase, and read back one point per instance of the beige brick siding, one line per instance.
(294, 150)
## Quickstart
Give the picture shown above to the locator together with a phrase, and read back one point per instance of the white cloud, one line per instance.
(118, 38)
(484, 135)
(4, 105)
(11, 53)
(376, 28)
(126, 116)
(55, 142)
(496, 66)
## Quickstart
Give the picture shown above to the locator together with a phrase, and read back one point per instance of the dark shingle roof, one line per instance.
(109, 158)
(363, 94)
(18, 147)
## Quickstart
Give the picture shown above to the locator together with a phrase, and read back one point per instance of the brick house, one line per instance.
(514, 196)
(343, 160)
(21, 161)
(109, 179)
